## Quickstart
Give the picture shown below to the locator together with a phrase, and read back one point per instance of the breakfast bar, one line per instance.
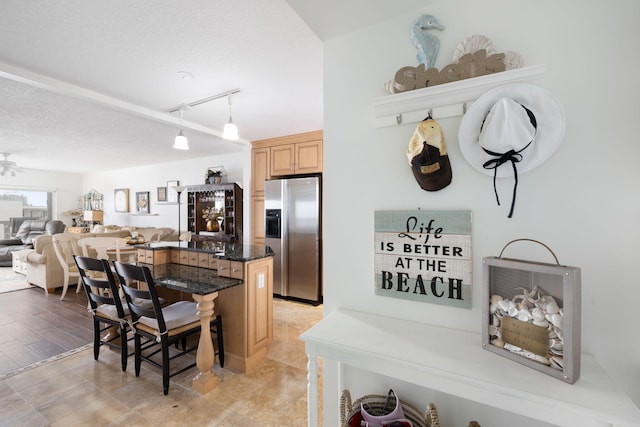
(240, 280)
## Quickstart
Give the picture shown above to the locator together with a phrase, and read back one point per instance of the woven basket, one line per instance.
(348, 408)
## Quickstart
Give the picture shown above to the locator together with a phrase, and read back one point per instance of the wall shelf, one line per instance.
(459, 366)
(445, 100)
(142, 214)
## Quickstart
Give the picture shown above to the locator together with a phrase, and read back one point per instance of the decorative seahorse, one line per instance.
(427, 44)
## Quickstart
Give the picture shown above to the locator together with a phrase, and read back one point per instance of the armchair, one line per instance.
(23, 238)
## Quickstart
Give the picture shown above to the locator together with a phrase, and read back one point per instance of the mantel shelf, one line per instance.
(445, 100)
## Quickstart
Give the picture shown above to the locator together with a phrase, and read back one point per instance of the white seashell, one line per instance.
(529, 355)
(542, 323)
(498, 343)
(555, 319)
(555, 344)
(512, 60)
(544, 300)
(495, 298)
(552, 307)
(504, 305)
(558, 347)
(393, 87)
(524, 315)
(557, 362)
(558, 332)
(512, 347)
(473, 44)
(496, 319)
(513, 311)
(537, 314)
(493, 331)
(493, 308)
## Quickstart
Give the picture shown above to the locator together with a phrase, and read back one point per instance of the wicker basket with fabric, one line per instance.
(351, 409)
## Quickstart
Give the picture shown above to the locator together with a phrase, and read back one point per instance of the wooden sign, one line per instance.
(424, 256)
(525, 335)
(470, 65)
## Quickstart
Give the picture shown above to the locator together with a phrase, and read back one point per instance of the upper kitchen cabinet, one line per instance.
(297, 154)
(260, 162)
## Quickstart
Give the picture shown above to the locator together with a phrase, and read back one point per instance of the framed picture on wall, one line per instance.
(121, 199)
(172, 196)
(162, 194)
(142, 202)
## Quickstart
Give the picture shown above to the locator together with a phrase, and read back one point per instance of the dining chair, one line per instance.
(64, 247)
(160, 327)
(105, 304)
(100, 246)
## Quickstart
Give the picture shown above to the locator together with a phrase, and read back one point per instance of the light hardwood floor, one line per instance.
(78, 391)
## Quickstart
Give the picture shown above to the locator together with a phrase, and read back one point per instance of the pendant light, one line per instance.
(230, 130)
(181, 142)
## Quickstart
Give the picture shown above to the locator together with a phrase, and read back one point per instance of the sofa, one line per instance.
(150, 234)
(24, 237)
(44, 269)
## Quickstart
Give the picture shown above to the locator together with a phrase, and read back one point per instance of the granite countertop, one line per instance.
(222, 250)
(186, 278)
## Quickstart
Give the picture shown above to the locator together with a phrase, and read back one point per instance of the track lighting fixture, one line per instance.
(181, 143)
(230, 131)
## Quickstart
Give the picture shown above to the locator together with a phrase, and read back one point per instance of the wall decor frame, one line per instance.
(172, 196)
(531, 313)
(162, 194)
(424, 256)
(121, 199)
(142, 202)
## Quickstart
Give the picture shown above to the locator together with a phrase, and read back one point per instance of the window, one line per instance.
(18, 205)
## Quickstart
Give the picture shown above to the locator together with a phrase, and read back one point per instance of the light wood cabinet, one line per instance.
(257, 220)
(260, 163)
(248, 308)
(297, 158)
(260, 299)
(147, 256)
(291, 155)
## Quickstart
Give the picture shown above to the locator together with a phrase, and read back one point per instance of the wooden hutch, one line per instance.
(226, 199)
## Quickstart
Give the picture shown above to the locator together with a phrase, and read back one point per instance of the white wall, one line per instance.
(149, 178)
(67, 188)
(583, 202)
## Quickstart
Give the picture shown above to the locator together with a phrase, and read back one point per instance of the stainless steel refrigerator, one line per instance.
(293, 231)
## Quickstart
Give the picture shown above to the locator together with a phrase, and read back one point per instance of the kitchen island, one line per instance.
(239, 278)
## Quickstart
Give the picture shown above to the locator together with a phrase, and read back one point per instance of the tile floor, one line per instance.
(78, 391)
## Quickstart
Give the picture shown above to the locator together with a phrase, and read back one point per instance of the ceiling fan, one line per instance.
(7, 167)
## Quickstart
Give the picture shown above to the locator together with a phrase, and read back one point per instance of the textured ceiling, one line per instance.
(96, 77)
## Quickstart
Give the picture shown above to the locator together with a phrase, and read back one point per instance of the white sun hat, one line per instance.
(511, 130)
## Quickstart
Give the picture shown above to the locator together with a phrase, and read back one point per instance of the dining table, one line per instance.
(204, 285)
(129, 250)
